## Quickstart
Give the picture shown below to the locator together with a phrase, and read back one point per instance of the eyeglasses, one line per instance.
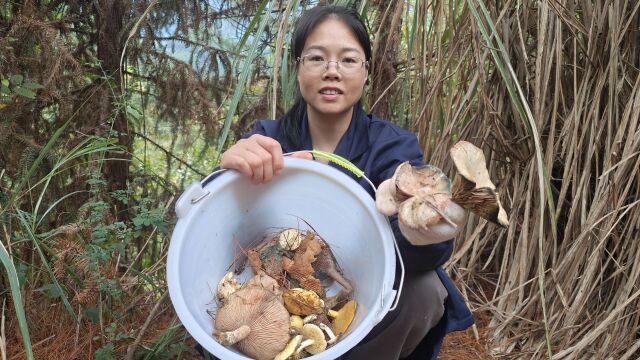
(318, 64)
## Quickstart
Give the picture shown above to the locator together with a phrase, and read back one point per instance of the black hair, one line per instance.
(291, 120)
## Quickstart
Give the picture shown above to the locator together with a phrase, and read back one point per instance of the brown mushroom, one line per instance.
(473, 189)
(300, 267)
(265, 281)
(302, 302)
(255, 321)
(325, 263)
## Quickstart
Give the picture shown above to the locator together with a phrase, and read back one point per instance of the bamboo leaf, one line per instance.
(16, 295)
(240, 87)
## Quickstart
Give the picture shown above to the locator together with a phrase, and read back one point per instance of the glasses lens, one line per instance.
(319, 64)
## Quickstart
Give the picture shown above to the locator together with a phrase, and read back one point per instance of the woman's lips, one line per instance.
(330, 94)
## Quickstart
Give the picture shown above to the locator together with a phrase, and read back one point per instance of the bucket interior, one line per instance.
(238, 214)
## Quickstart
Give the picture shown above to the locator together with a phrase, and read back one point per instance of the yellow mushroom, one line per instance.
(343, 317)
(289, 349)
(313, 332)
(296, 322)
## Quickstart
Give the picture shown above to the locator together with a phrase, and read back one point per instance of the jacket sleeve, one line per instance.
(387, 156)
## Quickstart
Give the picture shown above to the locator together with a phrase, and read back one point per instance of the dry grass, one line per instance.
(568, 266)
(56, 336)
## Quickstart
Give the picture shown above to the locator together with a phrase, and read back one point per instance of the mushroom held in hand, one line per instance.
(473, 189)
(255, 321)
(411, 182)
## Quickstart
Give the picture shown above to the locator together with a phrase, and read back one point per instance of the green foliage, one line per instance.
(16, 85)
(105, 352)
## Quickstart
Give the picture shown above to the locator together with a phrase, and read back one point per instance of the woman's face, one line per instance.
(333, 91)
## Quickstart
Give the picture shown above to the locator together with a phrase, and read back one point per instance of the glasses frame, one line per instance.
(301, 59)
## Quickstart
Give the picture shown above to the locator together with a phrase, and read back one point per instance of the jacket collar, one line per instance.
(353, 143)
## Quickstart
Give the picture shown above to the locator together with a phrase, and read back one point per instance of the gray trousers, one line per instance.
(420, 308)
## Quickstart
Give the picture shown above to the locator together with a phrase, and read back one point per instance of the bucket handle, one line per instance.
(339, 160)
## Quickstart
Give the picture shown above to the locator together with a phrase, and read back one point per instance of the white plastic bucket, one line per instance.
(231, 210)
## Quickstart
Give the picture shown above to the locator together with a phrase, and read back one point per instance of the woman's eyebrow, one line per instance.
(343, 50)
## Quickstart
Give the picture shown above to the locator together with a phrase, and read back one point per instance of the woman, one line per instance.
(332, 52)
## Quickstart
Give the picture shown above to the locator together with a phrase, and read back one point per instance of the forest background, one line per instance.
(109, 108)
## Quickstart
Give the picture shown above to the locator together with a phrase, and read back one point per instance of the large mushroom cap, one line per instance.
(420, 180)
(262, 312)
(471, 164)
(473, 189)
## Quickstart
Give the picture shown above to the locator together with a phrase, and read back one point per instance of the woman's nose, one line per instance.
(332, 71)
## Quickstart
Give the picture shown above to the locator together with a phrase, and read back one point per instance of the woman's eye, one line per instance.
(316, 58)
(349, 60)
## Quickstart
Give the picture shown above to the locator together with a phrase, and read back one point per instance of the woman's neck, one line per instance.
(327, 130)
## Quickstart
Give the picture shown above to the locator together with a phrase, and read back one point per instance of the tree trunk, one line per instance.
(111, 17)
(384, 71)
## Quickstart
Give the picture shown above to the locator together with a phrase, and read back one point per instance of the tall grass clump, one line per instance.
(551, 91)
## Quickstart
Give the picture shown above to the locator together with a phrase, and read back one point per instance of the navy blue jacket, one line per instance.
(377, 147)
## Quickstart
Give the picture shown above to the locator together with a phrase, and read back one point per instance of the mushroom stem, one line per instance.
(228, 338)
(304, 344)
(309, 318)
(332, 337)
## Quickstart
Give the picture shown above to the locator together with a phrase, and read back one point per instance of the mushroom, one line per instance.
(343, 317)
(473, 189)
(289, 349)
(302, 302)
(332, 337)
(296, 322)
(315, 341)
(309, 318)
(289, 239)
(411, 182)
(255, 321)
(265, 281)
(300, 268)
(419, 180)
(325, 262)
(419, 212)
(227, 286)
(386, 198)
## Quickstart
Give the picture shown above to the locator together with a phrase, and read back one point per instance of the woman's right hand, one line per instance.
(259, 157)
